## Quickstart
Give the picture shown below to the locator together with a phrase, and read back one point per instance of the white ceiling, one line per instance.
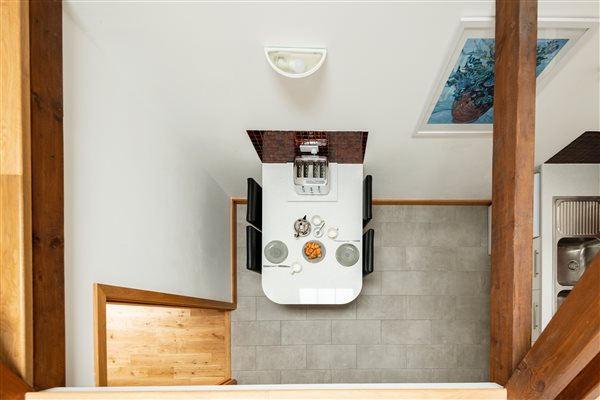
(203, 64)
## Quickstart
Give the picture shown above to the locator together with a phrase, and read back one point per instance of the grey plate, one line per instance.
(276, 251)
(347, 254)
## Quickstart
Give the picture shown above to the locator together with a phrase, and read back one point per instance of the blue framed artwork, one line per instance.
(462, 104)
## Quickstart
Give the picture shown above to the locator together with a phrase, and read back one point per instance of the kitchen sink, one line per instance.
(573, 255)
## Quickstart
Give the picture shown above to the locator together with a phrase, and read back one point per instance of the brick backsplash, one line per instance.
(282, 146)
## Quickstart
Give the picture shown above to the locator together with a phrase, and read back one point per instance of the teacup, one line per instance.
(316, 220)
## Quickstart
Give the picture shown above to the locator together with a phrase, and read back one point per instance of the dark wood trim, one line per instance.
(119, 294)
(11, 386)
(512, 185)
(586, 384)
(566, 347)
(431, 202)
(45, 25)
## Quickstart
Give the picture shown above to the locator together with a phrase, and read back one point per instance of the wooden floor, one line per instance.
(165, 346)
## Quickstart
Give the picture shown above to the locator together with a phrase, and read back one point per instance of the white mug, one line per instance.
(296, 268)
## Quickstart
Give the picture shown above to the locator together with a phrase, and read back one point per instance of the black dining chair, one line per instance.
(368, 251)
(253, 249)
(254, 208)
(367, 199)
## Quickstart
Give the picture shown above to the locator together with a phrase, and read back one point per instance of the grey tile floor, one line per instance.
(422, 316)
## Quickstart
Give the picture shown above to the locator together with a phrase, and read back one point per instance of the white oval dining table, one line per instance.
(327, 281)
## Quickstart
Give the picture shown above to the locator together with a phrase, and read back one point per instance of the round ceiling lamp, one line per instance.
(295, 62)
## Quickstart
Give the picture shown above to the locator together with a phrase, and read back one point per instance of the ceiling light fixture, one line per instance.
(295, 62)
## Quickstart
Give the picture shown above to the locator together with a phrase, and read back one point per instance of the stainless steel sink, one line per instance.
(573, 255)
(576, 240)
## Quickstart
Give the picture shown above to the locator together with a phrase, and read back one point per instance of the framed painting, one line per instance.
(462, 102)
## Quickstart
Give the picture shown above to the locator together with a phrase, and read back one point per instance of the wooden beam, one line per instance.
(512, 185)
(570, 342)
(45, 23)
(15, 191)
(586, 384)
(11, 386)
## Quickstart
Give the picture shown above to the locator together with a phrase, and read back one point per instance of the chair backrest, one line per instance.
(368, 251)
(253, 249)
(367, 199)
(254, 208)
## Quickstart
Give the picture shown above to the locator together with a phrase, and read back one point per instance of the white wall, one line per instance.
(140, 211)
(382, 66)
(560, 180)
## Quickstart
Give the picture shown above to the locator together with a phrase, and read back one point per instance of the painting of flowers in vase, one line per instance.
(468, 95)
(462, 100)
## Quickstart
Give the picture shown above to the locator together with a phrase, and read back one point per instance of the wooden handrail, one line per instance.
(570, 342)
(120, 294)
(586, 385)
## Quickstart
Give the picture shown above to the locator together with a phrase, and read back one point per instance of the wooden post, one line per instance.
(512, 185)
(47, 202)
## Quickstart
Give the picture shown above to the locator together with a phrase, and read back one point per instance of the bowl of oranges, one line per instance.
(313, 251)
